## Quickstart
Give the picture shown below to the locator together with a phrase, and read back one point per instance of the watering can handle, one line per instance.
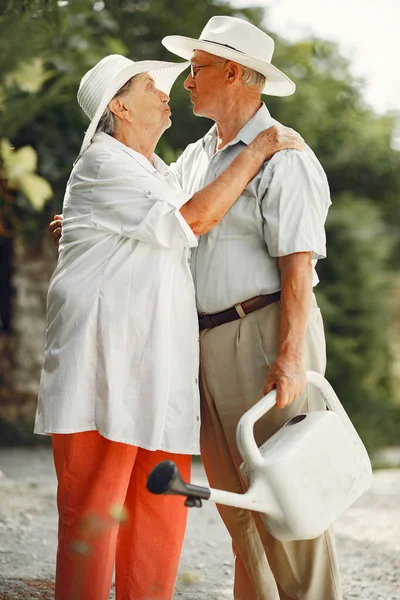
(245, 429)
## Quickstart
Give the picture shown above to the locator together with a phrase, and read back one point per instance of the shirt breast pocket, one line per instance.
(242, 219)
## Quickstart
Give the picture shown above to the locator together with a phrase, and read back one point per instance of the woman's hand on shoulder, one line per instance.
(276, 138)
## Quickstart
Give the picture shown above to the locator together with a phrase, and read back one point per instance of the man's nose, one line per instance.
(189, 84)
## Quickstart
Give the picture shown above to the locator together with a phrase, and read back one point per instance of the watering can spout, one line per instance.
(166, 479)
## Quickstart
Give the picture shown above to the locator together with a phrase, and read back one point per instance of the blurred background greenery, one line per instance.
(45, 48)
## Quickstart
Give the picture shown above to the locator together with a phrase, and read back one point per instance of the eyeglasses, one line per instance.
(194, 69)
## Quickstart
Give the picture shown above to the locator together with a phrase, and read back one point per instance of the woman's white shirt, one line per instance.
(121, 353)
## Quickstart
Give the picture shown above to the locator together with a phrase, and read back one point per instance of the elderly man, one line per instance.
(119, 384)
(254, 275)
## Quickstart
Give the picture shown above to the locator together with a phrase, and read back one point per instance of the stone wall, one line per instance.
(21, 350)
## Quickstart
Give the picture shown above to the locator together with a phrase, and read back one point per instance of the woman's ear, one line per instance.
(120, 109)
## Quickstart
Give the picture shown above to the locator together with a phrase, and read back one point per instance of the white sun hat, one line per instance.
(99, 85)
(239, 41)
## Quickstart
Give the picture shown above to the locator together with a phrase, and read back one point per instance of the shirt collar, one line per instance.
(210, 135)
(112, 142)
(261, 120)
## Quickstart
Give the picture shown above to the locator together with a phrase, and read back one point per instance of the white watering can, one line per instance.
(301, 479)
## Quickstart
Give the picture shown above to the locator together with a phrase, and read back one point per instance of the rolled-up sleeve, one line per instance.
(294, 201)
(139, 206)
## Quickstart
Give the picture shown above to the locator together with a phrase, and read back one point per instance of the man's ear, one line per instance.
(233, 72)
(118, 107)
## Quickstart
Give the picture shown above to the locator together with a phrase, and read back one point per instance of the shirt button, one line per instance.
(196, 380)
(188, 260)
(197, 418)
(166, 174)
(148, 193)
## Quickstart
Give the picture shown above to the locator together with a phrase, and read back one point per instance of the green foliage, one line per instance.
(354, 299)
(363, 233)
(353, 144)
(62, 40)
(19, 174)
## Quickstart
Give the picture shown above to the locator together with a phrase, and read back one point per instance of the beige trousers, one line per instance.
(235, 358)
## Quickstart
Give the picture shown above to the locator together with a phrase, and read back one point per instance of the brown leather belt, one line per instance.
(238, 311)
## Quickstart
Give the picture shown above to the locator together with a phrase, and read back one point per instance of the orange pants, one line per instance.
(107, 517)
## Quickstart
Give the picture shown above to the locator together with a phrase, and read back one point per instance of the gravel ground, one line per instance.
(368, 537)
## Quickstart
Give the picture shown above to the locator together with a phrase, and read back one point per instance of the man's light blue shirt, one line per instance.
(281, 211)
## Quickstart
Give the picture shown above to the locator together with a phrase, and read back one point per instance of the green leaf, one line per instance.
(29, 77)
(115, 46)
(36, 189)
(6, 150)
(18, 163)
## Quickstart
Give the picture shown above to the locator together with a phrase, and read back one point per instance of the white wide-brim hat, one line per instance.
(99, 85)
(241, 42)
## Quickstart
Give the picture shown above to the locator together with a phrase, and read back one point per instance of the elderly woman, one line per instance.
(118, 391)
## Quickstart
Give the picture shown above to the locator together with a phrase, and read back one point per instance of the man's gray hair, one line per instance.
(107, 123)
(252, 78)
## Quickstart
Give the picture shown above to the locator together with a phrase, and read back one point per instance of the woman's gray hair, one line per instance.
(107, 123)
(252, 78)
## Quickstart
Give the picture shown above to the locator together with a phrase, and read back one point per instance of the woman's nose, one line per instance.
(163, 96)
